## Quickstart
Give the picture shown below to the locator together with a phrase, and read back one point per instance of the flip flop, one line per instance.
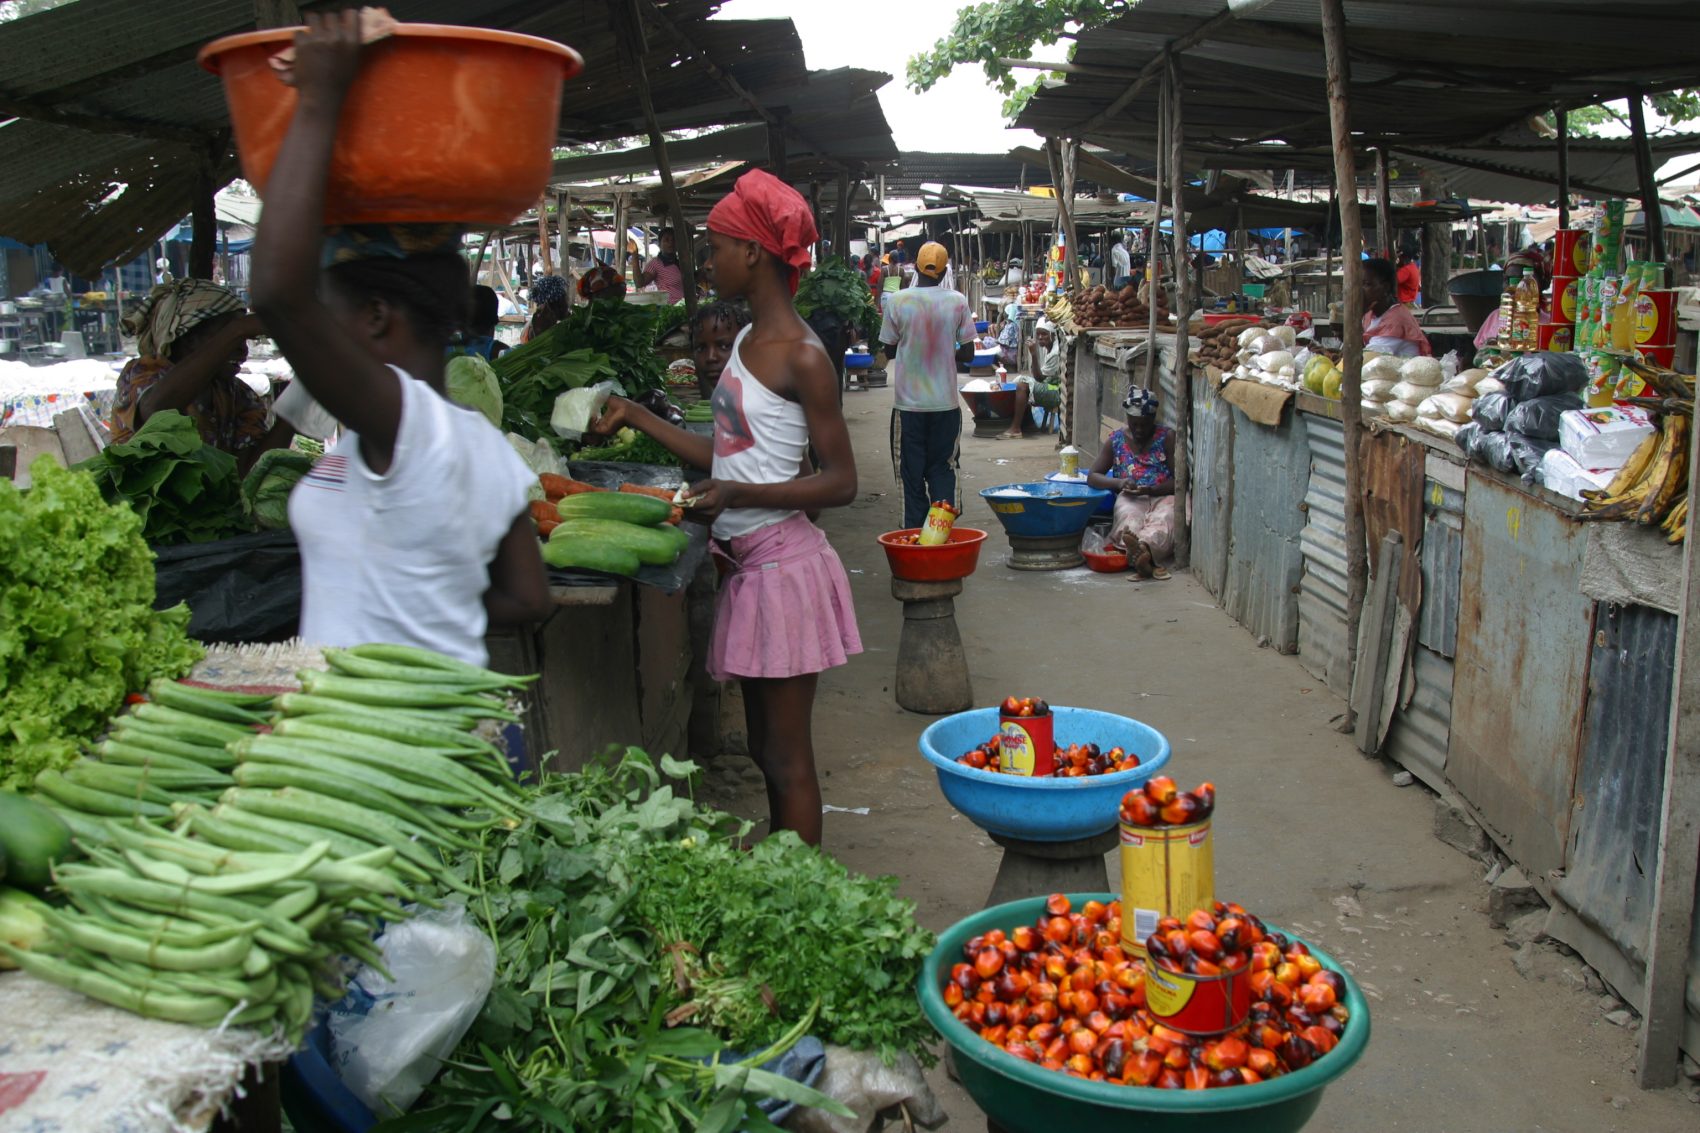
(1159, 573)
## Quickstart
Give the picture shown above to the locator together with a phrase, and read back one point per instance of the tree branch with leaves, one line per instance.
(994, 31)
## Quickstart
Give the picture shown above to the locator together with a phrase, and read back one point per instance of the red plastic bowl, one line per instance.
(915, 563)
(443, 124)
(1106, 562)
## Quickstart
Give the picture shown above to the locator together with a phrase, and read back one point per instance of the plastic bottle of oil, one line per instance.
(1526, 310)
(1507, 335)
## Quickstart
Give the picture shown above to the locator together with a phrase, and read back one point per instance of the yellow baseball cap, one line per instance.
(931, 259)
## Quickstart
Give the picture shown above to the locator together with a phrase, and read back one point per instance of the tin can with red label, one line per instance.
(1028, 744)
(1198, 1005)
(935, 531)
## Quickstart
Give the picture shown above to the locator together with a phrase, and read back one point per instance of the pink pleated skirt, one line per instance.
(785, 607)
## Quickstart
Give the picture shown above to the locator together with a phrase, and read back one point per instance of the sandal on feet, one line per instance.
(1159, 573)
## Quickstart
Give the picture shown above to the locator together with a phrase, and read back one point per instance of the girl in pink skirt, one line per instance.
(784, 612)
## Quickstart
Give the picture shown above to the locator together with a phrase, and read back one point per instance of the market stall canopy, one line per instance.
(916, 168)
(115, 128)
(1001, 208)
(1522, 167)
(1438, 72)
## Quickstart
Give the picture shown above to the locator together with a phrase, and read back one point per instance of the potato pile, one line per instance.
(1218, 344)
(1102, 307)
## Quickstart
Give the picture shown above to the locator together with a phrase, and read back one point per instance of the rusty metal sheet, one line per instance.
(1518, 692)
(1323, 650)
(1212, 486)
(1393, 501)
(1265, 562)
(1442, 564)
(1421, 728)
(1609, 871)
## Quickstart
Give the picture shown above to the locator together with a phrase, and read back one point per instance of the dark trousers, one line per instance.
(924, 448)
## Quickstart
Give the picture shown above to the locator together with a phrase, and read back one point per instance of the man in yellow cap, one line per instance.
(932, 329)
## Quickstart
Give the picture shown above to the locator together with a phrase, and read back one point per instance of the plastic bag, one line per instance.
(1540, 418)
(1487, 385)
(1494, 450)
(1541, 375)
(1526, 453)
(865, 1084)
(1411, 392)
(1491, 410)
(391, 1037)
(1424, 372)
(1095, 540)
(539, 455)
(1468, 439)
(577, 408)
(1454, 407)
(1377, 389)
(1402, 411)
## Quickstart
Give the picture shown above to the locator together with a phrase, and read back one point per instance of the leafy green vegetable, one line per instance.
(631, 447)
(266, 488)
(77, 626)
(596, 340)
(469, 381)
(634, 939)
(838, 288)
(185, 490)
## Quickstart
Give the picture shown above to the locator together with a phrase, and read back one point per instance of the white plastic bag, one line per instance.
(1488, 385)
(1400, 411)
(388, 1052)
(1424, 372)
(1446, 407)
(577, 408)
(1376, 389)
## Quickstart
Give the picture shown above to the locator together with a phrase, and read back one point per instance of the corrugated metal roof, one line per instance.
(127, 71)
(1443, 71)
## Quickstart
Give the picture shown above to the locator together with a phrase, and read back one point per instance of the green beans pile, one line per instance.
(289, 847)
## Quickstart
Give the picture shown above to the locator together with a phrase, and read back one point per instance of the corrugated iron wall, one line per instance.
(1322, 589)
(1271, 473)
(1421, 730)
(1612, 857)
(1212, 486)
(1442, 560)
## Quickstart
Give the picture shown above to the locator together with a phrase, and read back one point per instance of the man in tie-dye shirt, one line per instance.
(932, 329)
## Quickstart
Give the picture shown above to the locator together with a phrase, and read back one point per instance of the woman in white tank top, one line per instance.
(784, 612)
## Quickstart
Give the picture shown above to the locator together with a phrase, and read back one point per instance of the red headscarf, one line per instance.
(765, 209)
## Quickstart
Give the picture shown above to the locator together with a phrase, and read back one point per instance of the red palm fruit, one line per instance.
(1200, 919)
(1316, 998)
(1259, 983)
(1178, 942)
(1005, 987)
(1170, 1080)
(1168, 924)
(952, 996)
(1261, 1060)
(1229, 930)
(1081, 979)
(1249, 1077)
(1117, 1006)
(1025, 939)
(1056, 1050)
(1168, 964)
(1011, 706)
(1019, 1034)
(1140, 811)
(1296, 1052)
(975, 759)
(1173, 1037)
(1308, 965)
(1197, 1078)
(988, 962)
(997, 1015)
(1094, 911)
(1234, 961)
(1098, 1022)
(961, 1011)
(1056, 969)
(1205, 793)
(996, 937)
(962, 975)
(1043, 1033)
(1113, 1058)
(1068, 1024)
(997, 1036)
(1220, 1078)
(1021, 1050)
(1108, 944)
(984, 994)
(1053, 1064)
(1082, 1041)
(1161, 790)
(1157, 946)
(1058, 929)
(1264, 956)
(1177, 1058)
(1197, 967)
(1205, 944)
(1321, 1038)
(1280, 995)
(1182, 810)
(1333, 979)
(1288, 973)
(1041, 991)
(1057, 904)
(1085, 1002)
(1227, 1053)
(1269, 1036)
(1080, 1064)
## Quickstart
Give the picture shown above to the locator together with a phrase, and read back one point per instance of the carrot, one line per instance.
(555, 486)
(647, 490)
(542, 511)
(544, 526)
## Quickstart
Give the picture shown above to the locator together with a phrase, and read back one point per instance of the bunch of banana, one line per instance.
(1653, 485)
(1061, 312)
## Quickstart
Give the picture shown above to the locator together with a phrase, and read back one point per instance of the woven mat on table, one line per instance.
(69, 1064)
(257, 667)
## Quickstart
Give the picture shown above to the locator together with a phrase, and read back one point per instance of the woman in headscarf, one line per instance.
(548, 304)
(191, 340)
(414, 527)
(1042, 384)
(601, 282)
(1138, 464)
(784, 612)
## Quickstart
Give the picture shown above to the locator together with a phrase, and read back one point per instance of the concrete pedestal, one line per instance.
(932, 668)
(1036, 869)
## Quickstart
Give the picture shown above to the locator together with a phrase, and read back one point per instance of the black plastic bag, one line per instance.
(242, 589)
(1494, 450)
(1526, 453)
(1542, 375)
(1539, 418)
(1469, 440)
(1490, 410)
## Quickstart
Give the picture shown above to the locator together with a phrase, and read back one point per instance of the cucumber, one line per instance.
(590, 554)
(33, 838)
(627, 507)
(657, 546)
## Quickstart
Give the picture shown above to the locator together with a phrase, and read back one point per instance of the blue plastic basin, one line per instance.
(985, 358)
(857, 361)
(1042, 809)
(1106, 507)
(981, 326)
(1047, 509)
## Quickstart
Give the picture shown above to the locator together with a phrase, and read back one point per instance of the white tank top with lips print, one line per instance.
(759, 438)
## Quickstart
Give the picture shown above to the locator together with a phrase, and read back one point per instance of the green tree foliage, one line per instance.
(992, 30)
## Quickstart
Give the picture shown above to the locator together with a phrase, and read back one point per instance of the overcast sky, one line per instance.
(962, 114)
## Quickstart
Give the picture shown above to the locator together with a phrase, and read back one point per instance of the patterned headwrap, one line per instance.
(352, 242)
(1140, 403)
(548, 289)
(765, 209)
(172, 310)
(601, 282)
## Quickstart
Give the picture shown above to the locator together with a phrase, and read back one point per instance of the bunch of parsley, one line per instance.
(597, 1018)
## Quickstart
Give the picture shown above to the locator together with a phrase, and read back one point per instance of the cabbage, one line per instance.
(266, 488)
(471, 382)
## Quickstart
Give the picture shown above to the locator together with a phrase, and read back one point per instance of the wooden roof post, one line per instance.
(1183, 341)
(1561, 117)
(203, 221)
(1352, 356)
(632, 34)
(1652, 213)
(1153, 274)
(1384, 206)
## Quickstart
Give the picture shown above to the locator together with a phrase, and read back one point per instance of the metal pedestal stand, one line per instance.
(1044, 552)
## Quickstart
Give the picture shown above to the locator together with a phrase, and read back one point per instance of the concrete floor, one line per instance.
(1310, 835)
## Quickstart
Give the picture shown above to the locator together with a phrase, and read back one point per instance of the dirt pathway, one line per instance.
(1309, 833)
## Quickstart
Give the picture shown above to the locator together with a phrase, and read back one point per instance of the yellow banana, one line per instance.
(1633, 469)
(1677, 517)
(1679, 534)
(1672, 471)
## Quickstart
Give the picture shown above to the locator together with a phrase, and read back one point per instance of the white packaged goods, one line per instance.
(1422, 372)
(1602, 438)
(1400, 411)
(1446, 406)
(1377, 389)
(1561, 474)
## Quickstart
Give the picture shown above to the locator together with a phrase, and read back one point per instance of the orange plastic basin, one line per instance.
(1106, 562)
(442, 123)
(915, 563)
